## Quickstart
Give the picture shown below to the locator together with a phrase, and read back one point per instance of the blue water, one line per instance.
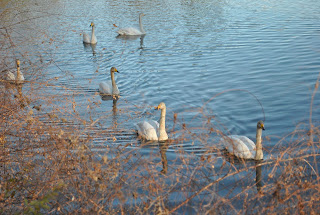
(193, 51)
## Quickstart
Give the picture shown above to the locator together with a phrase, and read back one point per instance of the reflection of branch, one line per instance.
(37, 17)
(11, 42)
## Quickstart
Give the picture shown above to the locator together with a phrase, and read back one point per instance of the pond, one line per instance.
(235, 62)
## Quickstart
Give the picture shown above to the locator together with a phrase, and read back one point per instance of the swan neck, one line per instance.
(18, 73)
(114, 85)
(162, 127)
(140, 24)
(112, 80)
(92, 35)
(259, 152)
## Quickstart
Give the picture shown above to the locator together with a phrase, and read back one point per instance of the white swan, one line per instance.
(133, 31)
(11, 76)
(86, 37)
(151, 130)
(243, 147)
(110, 87)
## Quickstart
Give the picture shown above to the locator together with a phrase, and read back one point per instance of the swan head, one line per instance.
(18, 63)
(113, 70)
(160, 106)
(260, 125)
(142, 14)
(92, 24)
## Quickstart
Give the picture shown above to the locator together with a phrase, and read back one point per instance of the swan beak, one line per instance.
(117, 71)
(262, 126)
(157, 107)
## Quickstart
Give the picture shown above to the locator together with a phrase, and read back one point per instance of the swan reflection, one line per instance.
(132, 38)
(90, 48)
(258, 176)
(163, 149)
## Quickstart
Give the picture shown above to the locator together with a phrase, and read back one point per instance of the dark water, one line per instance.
(193, 51)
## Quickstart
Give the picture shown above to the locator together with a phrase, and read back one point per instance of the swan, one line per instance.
(243, 147)
(151, 130)
(110, 87)
(87, 39)
(133, 31)
(11, 76)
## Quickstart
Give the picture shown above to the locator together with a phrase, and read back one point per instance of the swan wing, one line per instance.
(148, 129)
(249, 143)
(86, 38)
(8, 75)
(105, 87)
(240, 146)
(129, 31)
(154, 124)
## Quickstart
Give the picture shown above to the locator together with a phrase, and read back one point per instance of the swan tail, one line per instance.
(8, 75)
(86, 38)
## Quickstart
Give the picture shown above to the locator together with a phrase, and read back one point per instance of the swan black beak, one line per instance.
(156, 108)
(262, 127)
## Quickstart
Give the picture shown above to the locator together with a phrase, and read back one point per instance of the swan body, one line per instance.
(133, 31)
(86, 37)
(243, 147)
(152, 130)
(129, 32)
(240, 146)
(148, 130)
(110, 87)
(13, 76)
